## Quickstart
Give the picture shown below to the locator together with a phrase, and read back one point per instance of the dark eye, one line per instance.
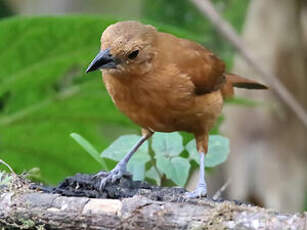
(133, 54)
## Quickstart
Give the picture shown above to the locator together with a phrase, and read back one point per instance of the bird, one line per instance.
(164, 84)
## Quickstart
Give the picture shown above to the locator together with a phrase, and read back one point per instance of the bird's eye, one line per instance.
(133, 54)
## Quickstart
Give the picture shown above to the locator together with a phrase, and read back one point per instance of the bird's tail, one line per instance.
(233, 80)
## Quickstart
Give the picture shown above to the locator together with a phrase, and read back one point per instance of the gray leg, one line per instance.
(121, 168)
(201, 189)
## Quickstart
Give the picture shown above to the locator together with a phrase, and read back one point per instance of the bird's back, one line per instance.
(202, 66)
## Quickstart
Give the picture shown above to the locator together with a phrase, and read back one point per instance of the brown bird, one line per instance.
(165, 84)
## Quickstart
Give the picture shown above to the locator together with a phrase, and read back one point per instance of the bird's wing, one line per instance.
(205, 70)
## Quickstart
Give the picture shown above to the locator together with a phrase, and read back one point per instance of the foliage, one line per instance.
(167, 153)
(218, 150)
(4, 9)
(183, 14)
(44, 94)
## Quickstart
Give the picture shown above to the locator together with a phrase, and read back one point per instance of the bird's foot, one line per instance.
(106, 177)
(200, 191)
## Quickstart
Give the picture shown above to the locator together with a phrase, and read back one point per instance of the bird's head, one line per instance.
(126, 47)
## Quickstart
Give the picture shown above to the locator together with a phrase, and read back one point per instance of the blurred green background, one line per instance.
(45, 95)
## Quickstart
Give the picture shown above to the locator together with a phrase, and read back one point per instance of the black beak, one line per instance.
(103, 60)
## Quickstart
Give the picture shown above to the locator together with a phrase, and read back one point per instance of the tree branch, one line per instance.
(229, 33)
(22, 208)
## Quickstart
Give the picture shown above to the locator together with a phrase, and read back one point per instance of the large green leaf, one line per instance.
(45, 96)
(153, 174)
(167, 144)
(175, 168)
(167, 148)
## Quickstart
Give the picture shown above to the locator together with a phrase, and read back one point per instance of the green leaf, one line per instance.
(167, 144)
(218, 151)
(154, 175)
(121, 146)
(88, 147)
(176, 168)
(137, 169)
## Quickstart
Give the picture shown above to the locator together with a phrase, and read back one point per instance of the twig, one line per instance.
(219, 192)
(206, 7)
(8, 166)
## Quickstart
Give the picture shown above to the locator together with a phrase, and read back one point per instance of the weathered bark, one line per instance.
(23, 208)
(270, 139)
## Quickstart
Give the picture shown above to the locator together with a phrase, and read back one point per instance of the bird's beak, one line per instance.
(103, 60)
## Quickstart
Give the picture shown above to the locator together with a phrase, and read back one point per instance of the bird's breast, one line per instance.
(152, 103)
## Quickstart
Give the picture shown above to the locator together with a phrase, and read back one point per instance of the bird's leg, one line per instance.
(121, 167)
(201, 189)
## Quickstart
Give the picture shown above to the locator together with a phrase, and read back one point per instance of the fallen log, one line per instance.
(25, 208)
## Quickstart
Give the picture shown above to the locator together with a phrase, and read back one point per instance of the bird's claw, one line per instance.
(200, 191)
(101, 174)
(111, 176)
